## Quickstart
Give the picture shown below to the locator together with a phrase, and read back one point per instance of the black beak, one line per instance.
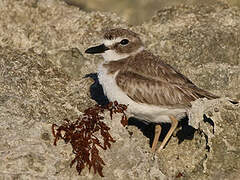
(97, 49)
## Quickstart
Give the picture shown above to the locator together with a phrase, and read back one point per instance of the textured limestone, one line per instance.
(139, 11)
(221, 127)
(42, 66)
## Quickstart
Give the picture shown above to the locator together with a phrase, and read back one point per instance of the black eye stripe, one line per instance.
(124, 42)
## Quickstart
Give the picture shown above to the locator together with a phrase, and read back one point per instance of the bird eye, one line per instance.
(124, 42)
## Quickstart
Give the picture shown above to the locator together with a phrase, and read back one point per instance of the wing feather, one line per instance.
(154, 82)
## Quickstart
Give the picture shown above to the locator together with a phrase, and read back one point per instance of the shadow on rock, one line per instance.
(96, 90)
(186, 131)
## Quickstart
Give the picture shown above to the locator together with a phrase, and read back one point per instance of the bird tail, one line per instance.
(205, 94)
(202, 93)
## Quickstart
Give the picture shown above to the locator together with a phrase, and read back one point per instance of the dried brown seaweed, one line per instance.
(82, 135)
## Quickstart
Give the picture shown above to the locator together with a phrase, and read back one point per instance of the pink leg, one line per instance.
(170, 132)
(158, 129)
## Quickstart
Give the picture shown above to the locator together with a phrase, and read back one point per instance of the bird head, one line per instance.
(117, 44)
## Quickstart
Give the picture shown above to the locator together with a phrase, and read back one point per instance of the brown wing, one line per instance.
(154, 82)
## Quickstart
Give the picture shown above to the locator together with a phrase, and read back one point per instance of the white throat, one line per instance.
(112, 55)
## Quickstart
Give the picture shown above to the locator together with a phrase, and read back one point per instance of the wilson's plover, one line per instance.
(153, 90)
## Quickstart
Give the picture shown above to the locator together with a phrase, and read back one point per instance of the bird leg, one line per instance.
(158, 129)
(170, 132)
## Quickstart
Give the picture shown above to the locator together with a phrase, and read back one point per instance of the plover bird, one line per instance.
(153, 90)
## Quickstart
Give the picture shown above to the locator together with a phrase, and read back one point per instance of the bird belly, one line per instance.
(142, 111)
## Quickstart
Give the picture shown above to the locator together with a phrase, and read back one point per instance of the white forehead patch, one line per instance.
(108, 42)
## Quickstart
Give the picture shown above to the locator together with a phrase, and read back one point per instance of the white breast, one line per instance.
(110, 88)
(150, 113)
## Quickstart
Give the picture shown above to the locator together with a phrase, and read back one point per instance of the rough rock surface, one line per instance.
(139, 11)
(42, 68)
